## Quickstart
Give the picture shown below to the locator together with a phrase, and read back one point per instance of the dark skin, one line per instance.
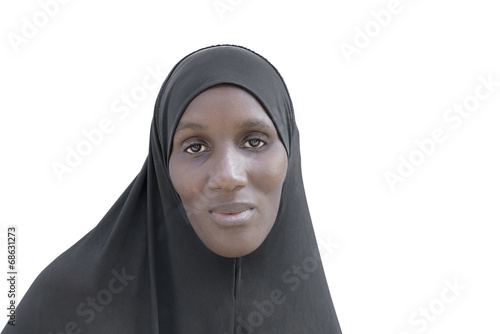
(228, 166)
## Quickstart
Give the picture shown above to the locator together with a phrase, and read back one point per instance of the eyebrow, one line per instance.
(189, 125)
(254, 123)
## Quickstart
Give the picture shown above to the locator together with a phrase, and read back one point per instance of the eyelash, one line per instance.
(261, 144)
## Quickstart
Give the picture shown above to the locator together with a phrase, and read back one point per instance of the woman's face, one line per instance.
(228, 165)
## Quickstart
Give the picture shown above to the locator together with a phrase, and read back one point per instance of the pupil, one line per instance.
(196, 147)
(254, 142)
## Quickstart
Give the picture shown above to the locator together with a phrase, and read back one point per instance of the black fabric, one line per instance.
(143, 269)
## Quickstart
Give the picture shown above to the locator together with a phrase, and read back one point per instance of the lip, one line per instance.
(232, 214)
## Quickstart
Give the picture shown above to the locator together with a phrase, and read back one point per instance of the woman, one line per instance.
(214, 233)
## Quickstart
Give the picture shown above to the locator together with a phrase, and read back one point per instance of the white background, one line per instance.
(389, 253)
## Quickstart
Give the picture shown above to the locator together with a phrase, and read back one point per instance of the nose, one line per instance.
(229, 171)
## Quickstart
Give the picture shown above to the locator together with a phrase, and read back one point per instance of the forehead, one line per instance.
(224, 103)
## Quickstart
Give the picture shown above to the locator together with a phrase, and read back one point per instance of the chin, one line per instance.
(238, 250)
(230, 242)
(234, 253)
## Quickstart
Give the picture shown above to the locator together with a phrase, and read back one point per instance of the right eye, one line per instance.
(196, 148)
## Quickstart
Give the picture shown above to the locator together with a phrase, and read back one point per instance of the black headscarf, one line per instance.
(144, 270)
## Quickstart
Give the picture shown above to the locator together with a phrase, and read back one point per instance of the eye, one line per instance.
(196, 148)
(254, 143)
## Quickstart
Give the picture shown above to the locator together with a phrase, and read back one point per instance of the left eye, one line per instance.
(254, 143)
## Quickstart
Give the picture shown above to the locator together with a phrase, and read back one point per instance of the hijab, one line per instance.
(143, 269)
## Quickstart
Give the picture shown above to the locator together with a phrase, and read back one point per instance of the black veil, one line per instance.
(143, 269)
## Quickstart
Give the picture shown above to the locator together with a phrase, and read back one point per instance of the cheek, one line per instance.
(185, 183)
(269, 172)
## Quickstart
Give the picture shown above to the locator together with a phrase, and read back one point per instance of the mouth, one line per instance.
(232, 215)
